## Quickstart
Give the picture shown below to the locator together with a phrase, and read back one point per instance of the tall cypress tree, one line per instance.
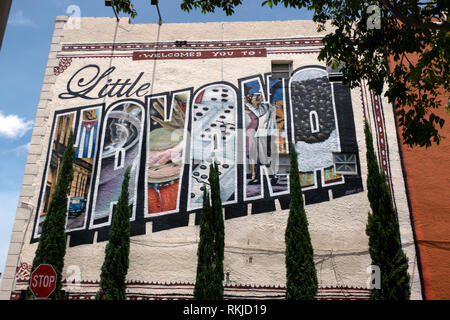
(301, 276)
(52, 241)
(383, 230)
(209, 281)
(204, 289)
(115, 265)
(218, 229)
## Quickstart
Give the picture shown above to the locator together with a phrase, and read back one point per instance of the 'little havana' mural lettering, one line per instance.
(89, 83)
(214, 135)
(169, 139)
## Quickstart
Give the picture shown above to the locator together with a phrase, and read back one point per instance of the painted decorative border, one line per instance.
(380, 128)
(64, 63)
(381, 135)
(290, 42)
(231, 292)
(130, 54)
(23, 272)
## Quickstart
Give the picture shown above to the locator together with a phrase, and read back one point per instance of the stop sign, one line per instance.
(43, 281)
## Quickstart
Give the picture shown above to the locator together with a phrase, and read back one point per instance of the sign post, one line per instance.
(43, 281)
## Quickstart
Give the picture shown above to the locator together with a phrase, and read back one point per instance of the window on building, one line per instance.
(314, 121)
(281, 69)
(335, 74)
(345, 163)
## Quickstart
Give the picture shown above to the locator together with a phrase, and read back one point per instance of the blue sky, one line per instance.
(23, 59)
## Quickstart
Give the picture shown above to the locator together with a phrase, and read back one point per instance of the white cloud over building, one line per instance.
(12, 126)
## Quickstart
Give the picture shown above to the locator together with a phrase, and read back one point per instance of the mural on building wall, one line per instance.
(265, 136)
(120, 149)
(60, 136)
(169, 139)
(213, 136)
(165, 157)
(85, 154)
(314, 126)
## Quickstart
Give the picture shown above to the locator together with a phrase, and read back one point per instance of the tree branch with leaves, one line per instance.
(125, 6)
(408, 28)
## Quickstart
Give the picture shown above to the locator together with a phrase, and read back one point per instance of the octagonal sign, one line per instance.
(43, 281)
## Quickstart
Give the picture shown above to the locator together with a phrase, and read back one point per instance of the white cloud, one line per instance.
(19, 19)
(22, 149)
(13, 126)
